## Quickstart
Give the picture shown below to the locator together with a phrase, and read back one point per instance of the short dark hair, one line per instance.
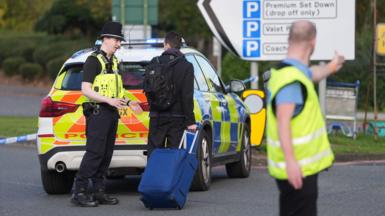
(173, 39)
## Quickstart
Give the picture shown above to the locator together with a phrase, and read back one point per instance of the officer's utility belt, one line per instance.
(165, 114)
(94, 108)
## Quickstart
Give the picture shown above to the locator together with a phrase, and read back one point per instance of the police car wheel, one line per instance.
(202, 178)
(57, 183)
(241, 168)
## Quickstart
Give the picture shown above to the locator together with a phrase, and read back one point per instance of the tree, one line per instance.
(21, 14)
(184, 17)
(66, 17)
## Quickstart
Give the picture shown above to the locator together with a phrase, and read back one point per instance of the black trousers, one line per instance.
(162, 128)
(301, 202)
(101, 129)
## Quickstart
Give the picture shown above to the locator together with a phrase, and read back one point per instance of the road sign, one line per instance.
(257, 30)
(381, 39)
(134, 13)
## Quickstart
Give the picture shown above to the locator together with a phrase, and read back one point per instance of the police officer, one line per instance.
(297, 142)
(103, 87)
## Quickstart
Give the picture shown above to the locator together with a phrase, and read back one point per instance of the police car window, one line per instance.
(73, 78)
(199, 77)
(132, 75)
(210, 74)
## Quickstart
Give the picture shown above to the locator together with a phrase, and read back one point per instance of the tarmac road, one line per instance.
(349, 189)
(20, 101)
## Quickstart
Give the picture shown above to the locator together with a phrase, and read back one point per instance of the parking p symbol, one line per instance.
(251, 29)
(251, 9)
(251, 48)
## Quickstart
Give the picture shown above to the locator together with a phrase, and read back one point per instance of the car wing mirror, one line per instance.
(237, 86)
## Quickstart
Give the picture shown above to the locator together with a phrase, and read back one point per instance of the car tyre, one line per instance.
(57, 183)
(202, 178)
(241, 168)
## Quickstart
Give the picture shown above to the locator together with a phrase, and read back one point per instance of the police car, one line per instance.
(224, 120)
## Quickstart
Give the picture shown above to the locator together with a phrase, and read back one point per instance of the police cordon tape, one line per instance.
(10, 140)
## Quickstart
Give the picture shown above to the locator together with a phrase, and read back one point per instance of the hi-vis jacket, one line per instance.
(108, 84)
(309, 137)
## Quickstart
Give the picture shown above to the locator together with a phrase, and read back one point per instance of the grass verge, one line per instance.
(364, 144)
(11, 126)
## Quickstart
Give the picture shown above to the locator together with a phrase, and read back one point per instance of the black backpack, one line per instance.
(158, 84)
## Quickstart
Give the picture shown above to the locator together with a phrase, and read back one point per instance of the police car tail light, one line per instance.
(51, 108)
(145, 106)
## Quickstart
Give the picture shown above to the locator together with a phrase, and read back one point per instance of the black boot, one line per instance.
(83, 200)
(104, 199)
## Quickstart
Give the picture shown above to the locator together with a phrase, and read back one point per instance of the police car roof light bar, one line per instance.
(153, 42)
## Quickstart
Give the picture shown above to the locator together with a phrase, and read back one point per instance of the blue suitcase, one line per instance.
(167, 178)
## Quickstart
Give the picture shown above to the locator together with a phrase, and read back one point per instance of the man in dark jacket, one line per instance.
(167, 126)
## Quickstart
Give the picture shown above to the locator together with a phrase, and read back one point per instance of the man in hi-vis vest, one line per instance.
(297, 142)
(103, 87)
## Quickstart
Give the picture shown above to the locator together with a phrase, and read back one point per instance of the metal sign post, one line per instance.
(374, 66)
(217, 52)
(254, 73)
(322, 93)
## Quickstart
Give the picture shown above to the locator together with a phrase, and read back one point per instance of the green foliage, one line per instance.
(11, 65)
(18, 44)
(53, 66)
(80, 17)
(100, 12)
(25, 50)
(30, 70)
(234, 68)
(44, 53)
(38, 48)
(184, 17)
(21, 14)
(10, 47)
(65, 17)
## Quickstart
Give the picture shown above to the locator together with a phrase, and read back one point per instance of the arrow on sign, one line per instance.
(214, 24)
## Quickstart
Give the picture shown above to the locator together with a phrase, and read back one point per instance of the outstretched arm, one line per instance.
(320, 72)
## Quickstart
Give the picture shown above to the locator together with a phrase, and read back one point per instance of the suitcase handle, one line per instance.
(183, 141)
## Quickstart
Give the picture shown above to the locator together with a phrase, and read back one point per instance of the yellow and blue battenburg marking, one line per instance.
(226, 114)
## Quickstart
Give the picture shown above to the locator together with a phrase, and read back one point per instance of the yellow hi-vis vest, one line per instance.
(309, 137)
(108, 84)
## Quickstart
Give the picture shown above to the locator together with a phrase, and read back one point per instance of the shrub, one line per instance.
(26, 50)
(8, 48)
(30, 70)
(11, 65)
(45, 53)
(54, 65)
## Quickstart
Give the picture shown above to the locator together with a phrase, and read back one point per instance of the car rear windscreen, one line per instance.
(132, 76)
